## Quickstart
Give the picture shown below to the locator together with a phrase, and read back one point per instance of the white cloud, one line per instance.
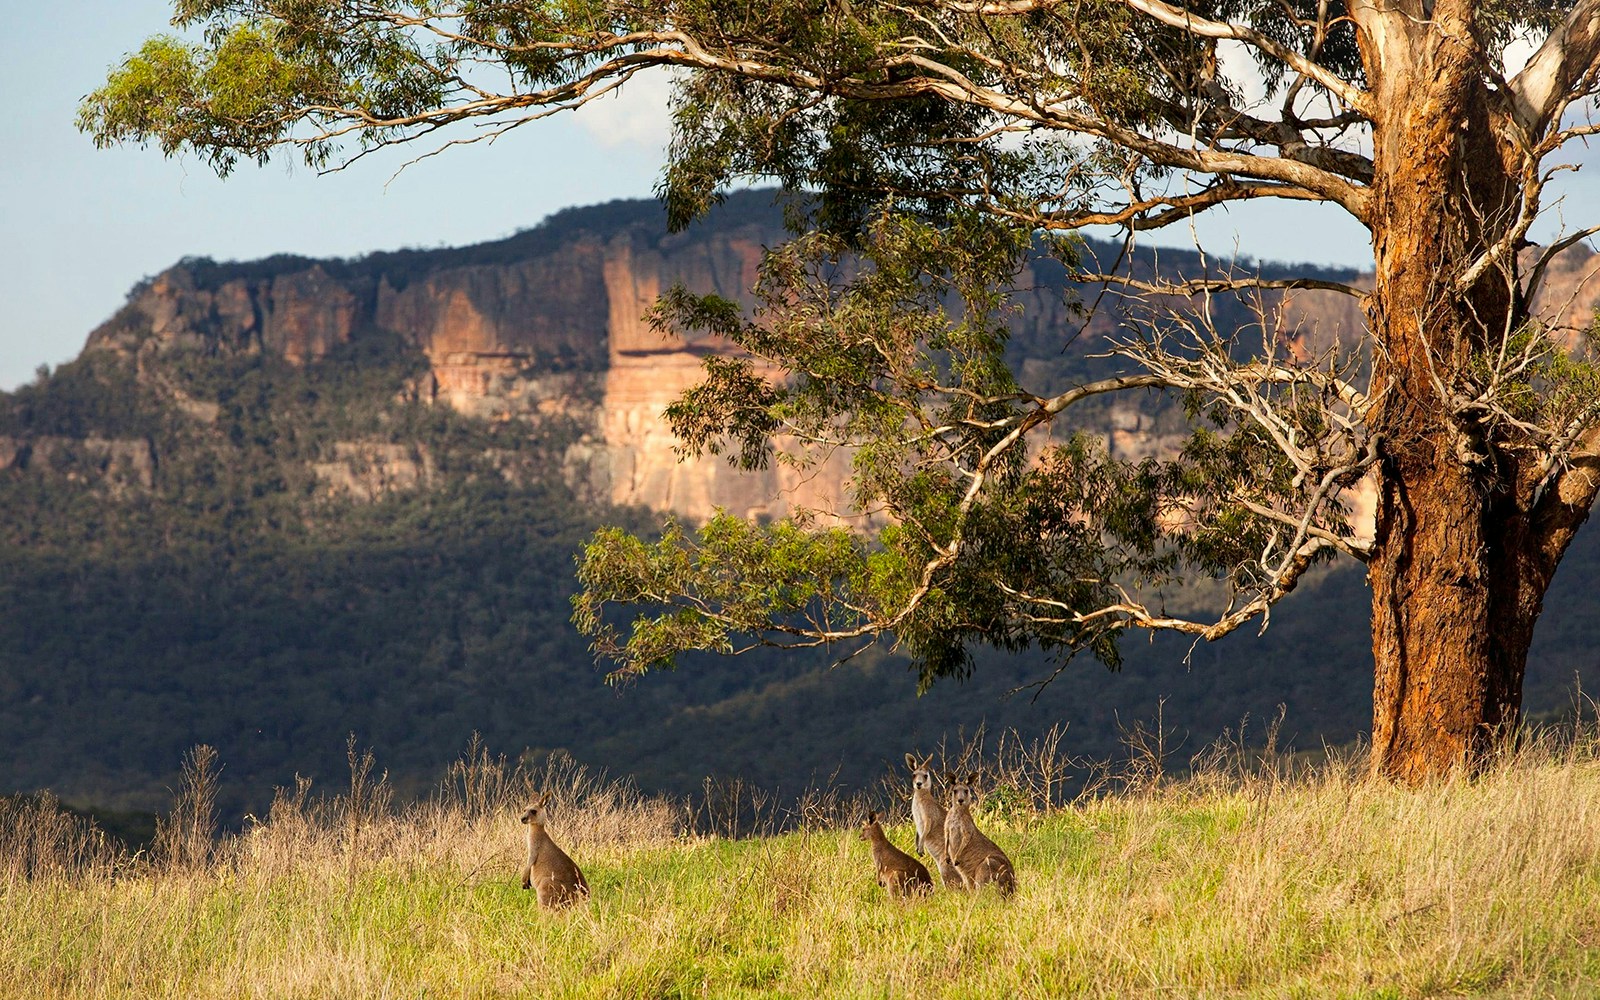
(1517, 52)
(1239, 66)
(635, 114)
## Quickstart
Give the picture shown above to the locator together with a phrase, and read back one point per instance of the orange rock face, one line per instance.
(552, 323)
(304, 315)
(560, 332)
(1569, 294)
(648, 369)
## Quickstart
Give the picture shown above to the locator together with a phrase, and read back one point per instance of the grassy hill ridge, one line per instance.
(1250, 879)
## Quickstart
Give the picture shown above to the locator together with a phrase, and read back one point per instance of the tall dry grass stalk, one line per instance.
(42, 842)
(184, 837)
(1022, 779)
(1024, 776)
(468, 826)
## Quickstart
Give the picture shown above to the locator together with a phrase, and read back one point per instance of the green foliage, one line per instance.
(1530, 382)
(847, 101)
(894, 341)
(733, 577)
(98, 393)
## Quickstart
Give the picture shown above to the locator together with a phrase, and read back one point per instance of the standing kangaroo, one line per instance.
(898, 871)
(972, 854)
(927, 815)
(549, 871)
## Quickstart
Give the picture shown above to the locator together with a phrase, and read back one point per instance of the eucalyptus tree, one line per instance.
(942, 139)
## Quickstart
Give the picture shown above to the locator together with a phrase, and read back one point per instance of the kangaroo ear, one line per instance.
(872, 815)
(972, 779)
(949, 778)
(911, 762)
(927, 761)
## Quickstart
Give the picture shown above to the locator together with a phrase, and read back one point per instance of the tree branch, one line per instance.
(1568, 54)
(1133, 613)
(1195, 286)
(1176, 17)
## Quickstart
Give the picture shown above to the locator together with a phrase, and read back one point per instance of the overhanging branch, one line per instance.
(1567, 55)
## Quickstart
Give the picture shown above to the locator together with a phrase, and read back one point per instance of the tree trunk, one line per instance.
(1457, 579)
(1450, 633)
(1458, 583)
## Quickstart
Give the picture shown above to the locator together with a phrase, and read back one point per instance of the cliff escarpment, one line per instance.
(547, 323)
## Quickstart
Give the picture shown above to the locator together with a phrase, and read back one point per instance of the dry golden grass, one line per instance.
(1241, 881)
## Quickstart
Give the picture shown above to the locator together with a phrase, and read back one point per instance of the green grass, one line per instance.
(1324, 886)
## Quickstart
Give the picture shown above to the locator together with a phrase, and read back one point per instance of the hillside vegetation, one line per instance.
(1250, 878)
(175, 570)
(235, 603)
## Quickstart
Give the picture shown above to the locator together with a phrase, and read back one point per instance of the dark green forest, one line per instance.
(233, 601)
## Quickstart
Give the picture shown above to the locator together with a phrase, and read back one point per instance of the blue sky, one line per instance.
(83, 225)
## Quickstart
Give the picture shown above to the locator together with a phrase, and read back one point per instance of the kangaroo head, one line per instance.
(536, 811)
(868, 826)
(964, 791)
(921, 773)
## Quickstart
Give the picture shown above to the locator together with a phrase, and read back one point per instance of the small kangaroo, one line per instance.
(549, 871)
(972, 854)
(898, 871)
(927, 815)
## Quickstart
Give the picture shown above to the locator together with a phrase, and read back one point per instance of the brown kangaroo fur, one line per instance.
(927, 815)
(972, 854)
(549, 871)
(898, 871)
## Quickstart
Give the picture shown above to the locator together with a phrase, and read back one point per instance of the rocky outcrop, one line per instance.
(552, 323)
(365, 470)
(550, 327)
(1569, 294)
(120, 465)
(633, 457)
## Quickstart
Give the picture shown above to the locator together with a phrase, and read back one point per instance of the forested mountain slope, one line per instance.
(277, 502)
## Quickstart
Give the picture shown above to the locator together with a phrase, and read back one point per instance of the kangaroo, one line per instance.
(898, 871)
(927, 815)
(973, 855)
(549, 871)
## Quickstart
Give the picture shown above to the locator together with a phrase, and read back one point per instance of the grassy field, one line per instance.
(1240, 881)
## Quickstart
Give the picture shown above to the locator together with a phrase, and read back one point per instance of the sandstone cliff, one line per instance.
(550, 323)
